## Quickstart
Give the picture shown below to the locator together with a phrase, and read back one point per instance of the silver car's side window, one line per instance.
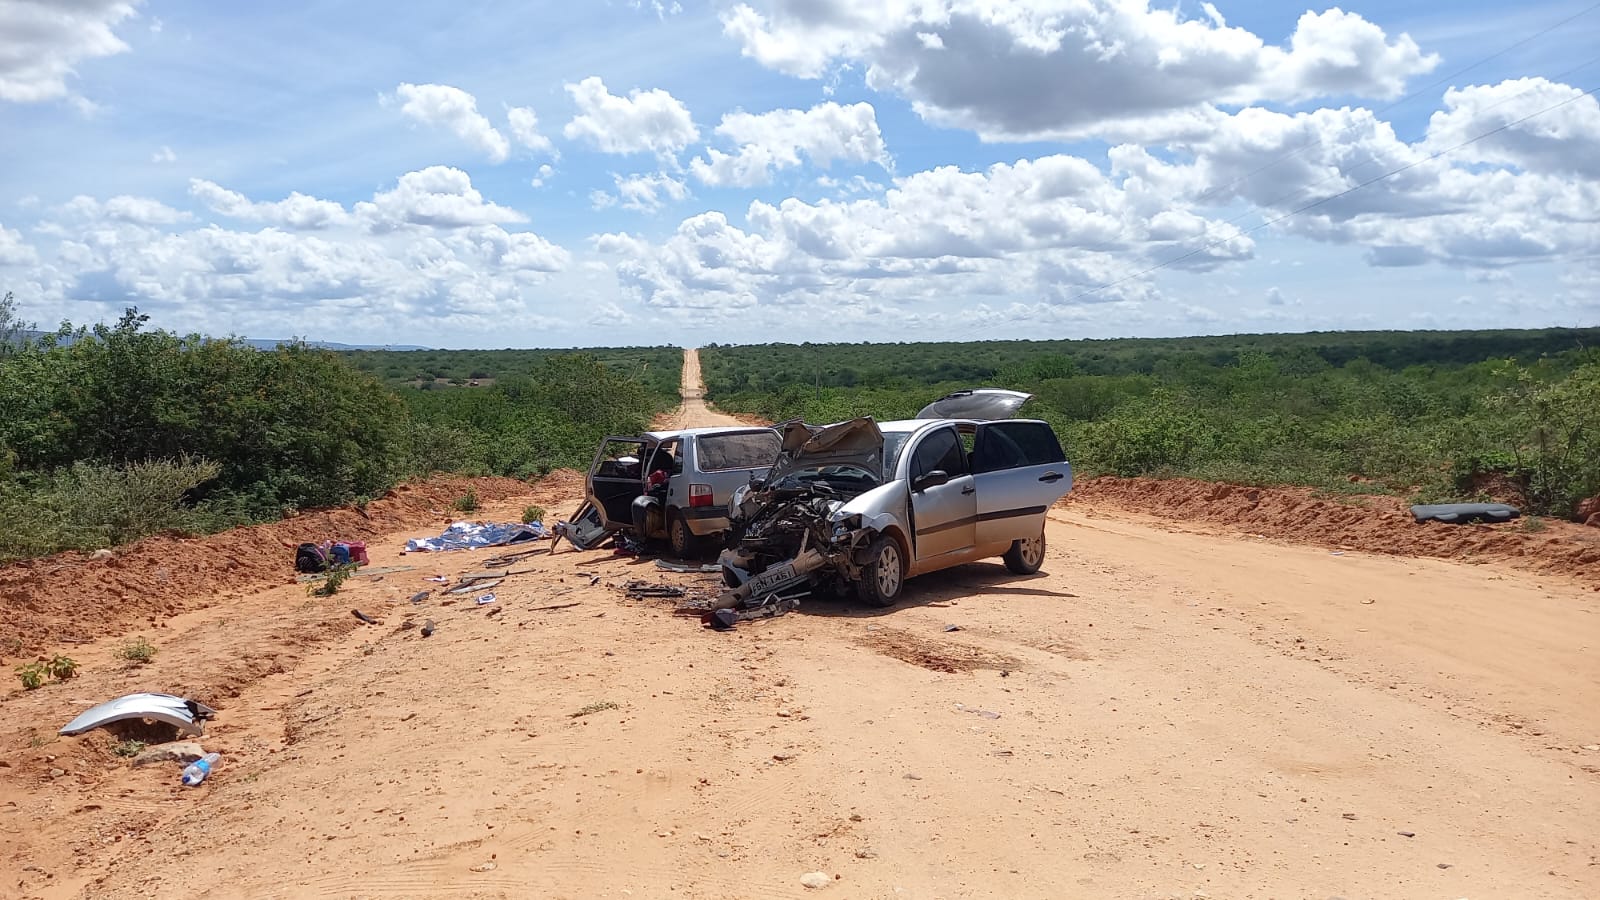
(940, 450)
(1010, 445)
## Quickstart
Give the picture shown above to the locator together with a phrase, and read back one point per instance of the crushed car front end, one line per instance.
(807, 523)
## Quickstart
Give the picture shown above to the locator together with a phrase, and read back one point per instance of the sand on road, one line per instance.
(1161, 712)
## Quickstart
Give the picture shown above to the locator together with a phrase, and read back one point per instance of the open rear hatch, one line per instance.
(983, 404)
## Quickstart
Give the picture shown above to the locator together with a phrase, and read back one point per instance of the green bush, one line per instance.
(138, 651)
(131, 501)
(88, 506)
(33, 675)
(1147, 437)
(290, 427)
(336, 577)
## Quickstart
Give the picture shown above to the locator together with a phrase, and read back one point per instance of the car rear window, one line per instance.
(747, 450)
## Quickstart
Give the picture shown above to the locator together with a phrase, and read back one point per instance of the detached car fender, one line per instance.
(187, 715)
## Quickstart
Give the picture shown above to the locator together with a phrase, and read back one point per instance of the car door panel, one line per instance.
(943, 515)
(613, 487)
(1021, 472)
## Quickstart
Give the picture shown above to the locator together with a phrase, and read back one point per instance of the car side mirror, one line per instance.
(932, 479)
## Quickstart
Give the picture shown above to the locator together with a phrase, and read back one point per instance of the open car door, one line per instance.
(1020, 472)
(616, 479)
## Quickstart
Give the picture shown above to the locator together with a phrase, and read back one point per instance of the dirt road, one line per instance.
(1162, 712)
(694, 413)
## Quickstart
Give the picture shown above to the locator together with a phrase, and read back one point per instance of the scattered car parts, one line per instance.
(188, 716)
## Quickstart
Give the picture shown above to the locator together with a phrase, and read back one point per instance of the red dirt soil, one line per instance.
(73, 598)
(1371, 523)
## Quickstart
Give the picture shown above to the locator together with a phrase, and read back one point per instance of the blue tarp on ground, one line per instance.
(472, 535)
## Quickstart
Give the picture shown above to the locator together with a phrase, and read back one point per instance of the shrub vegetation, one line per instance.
(112, 433)
(1435, 414)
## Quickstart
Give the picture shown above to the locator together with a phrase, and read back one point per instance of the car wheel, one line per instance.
(883, 575)
(1026, 555)
(683, 541)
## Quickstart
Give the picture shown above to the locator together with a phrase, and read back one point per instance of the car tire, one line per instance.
(1026, 555)
(683, 542)
(883, 576)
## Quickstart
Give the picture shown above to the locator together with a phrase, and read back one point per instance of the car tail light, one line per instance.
(699, 495)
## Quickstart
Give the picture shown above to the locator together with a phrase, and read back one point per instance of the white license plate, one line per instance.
(775, 577)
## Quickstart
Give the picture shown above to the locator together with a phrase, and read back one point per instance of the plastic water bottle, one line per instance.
(199, 769)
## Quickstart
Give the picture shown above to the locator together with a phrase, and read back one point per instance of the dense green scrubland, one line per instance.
(1435, 414)
(115, 432)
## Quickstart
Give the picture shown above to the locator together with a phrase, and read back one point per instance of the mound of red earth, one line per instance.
(1589, 511)
(1371, 523)
(74, 597)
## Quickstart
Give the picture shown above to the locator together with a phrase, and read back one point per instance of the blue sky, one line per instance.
(497, 174)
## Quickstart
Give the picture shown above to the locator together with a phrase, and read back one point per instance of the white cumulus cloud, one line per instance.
(1531, 202)
(44, 40)
(525, 129)
(1068, 69)
(14, 251)
(297, 211)
(435, 197)
(444, 106)
(648, 193)
(432, 249)
(775, 140)
(124, 209)
(650, 121)
(1050, 228)
(1565, 140)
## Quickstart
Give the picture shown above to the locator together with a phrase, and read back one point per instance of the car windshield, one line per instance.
(893, 441)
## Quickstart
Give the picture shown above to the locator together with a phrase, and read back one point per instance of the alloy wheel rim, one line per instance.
(1033, 551)
(889, 570)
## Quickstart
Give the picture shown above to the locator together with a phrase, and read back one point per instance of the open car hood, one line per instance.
(853, 442)
(984, 404)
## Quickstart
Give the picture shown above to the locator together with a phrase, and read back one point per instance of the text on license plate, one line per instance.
(774, 577)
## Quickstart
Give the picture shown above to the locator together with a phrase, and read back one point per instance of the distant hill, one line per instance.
(270, 343)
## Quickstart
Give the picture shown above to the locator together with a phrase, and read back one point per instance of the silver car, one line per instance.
(703, 465)
(862, 506)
